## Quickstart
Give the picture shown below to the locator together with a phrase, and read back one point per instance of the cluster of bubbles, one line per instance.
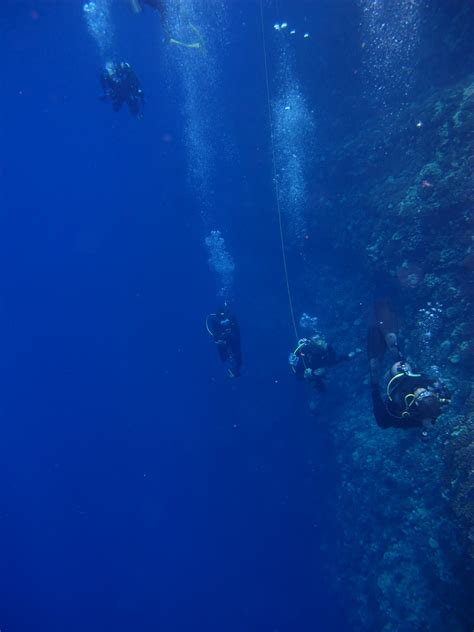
(434, 372)
(283, 26)
(195, 35)
(293, 125)
(221, 262)
(293, 129)
(390, 38)
(99, 24)
(429, 321)
(309, 324)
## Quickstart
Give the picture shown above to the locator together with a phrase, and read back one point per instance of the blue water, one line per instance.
(142, 489)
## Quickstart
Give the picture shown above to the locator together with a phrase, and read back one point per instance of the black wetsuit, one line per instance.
(311, 356)
(225, 330)
(395, 411)
(120, 85)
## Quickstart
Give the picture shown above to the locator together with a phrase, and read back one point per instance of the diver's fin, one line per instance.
(199, 43)
(184, 45)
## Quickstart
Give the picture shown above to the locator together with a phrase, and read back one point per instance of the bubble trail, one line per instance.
(99, 24)
(390, 38)
(221, 262)
(293, 136)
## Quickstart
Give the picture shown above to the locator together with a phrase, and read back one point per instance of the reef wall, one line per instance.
(397, 202)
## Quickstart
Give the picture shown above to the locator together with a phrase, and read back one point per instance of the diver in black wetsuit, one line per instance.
(225, 331)
(413, 400)
(120, 85)
(311, 359)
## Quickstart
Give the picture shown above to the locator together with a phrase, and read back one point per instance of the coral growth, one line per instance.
(407, 537)
(460, 456)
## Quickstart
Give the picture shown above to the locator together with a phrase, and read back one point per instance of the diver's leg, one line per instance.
(234, 367)
(387, 321)
(376, 346)
(223, 351)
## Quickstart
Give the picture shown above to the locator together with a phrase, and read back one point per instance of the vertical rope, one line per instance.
(275, 177)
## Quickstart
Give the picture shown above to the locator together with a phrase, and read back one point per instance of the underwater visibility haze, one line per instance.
(236, 304)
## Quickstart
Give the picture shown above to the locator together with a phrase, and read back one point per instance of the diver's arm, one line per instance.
(333, 358)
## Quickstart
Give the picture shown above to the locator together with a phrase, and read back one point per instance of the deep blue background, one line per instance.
(140, 488)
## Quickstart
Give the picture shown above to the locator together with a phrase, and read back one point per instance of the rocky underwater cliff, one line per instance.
(397, 202)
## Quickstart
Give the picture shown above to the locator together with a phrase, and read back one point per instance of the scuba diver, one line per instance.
(225, 331)
(190, 35)
(413, 400)
(120, 85)
(311, 359)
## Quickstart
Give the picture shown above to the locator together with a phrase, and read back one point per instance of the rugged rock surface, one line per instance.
(406, 506)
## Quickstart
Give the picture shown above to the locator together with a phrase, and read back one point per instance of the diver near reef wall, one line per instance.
(313, 357)
(120, 85)
(412, 400)
(223, 327)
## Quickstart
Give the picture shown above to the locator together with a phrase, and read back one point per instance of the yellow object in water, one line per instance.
(178, 43)
(199, 44)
